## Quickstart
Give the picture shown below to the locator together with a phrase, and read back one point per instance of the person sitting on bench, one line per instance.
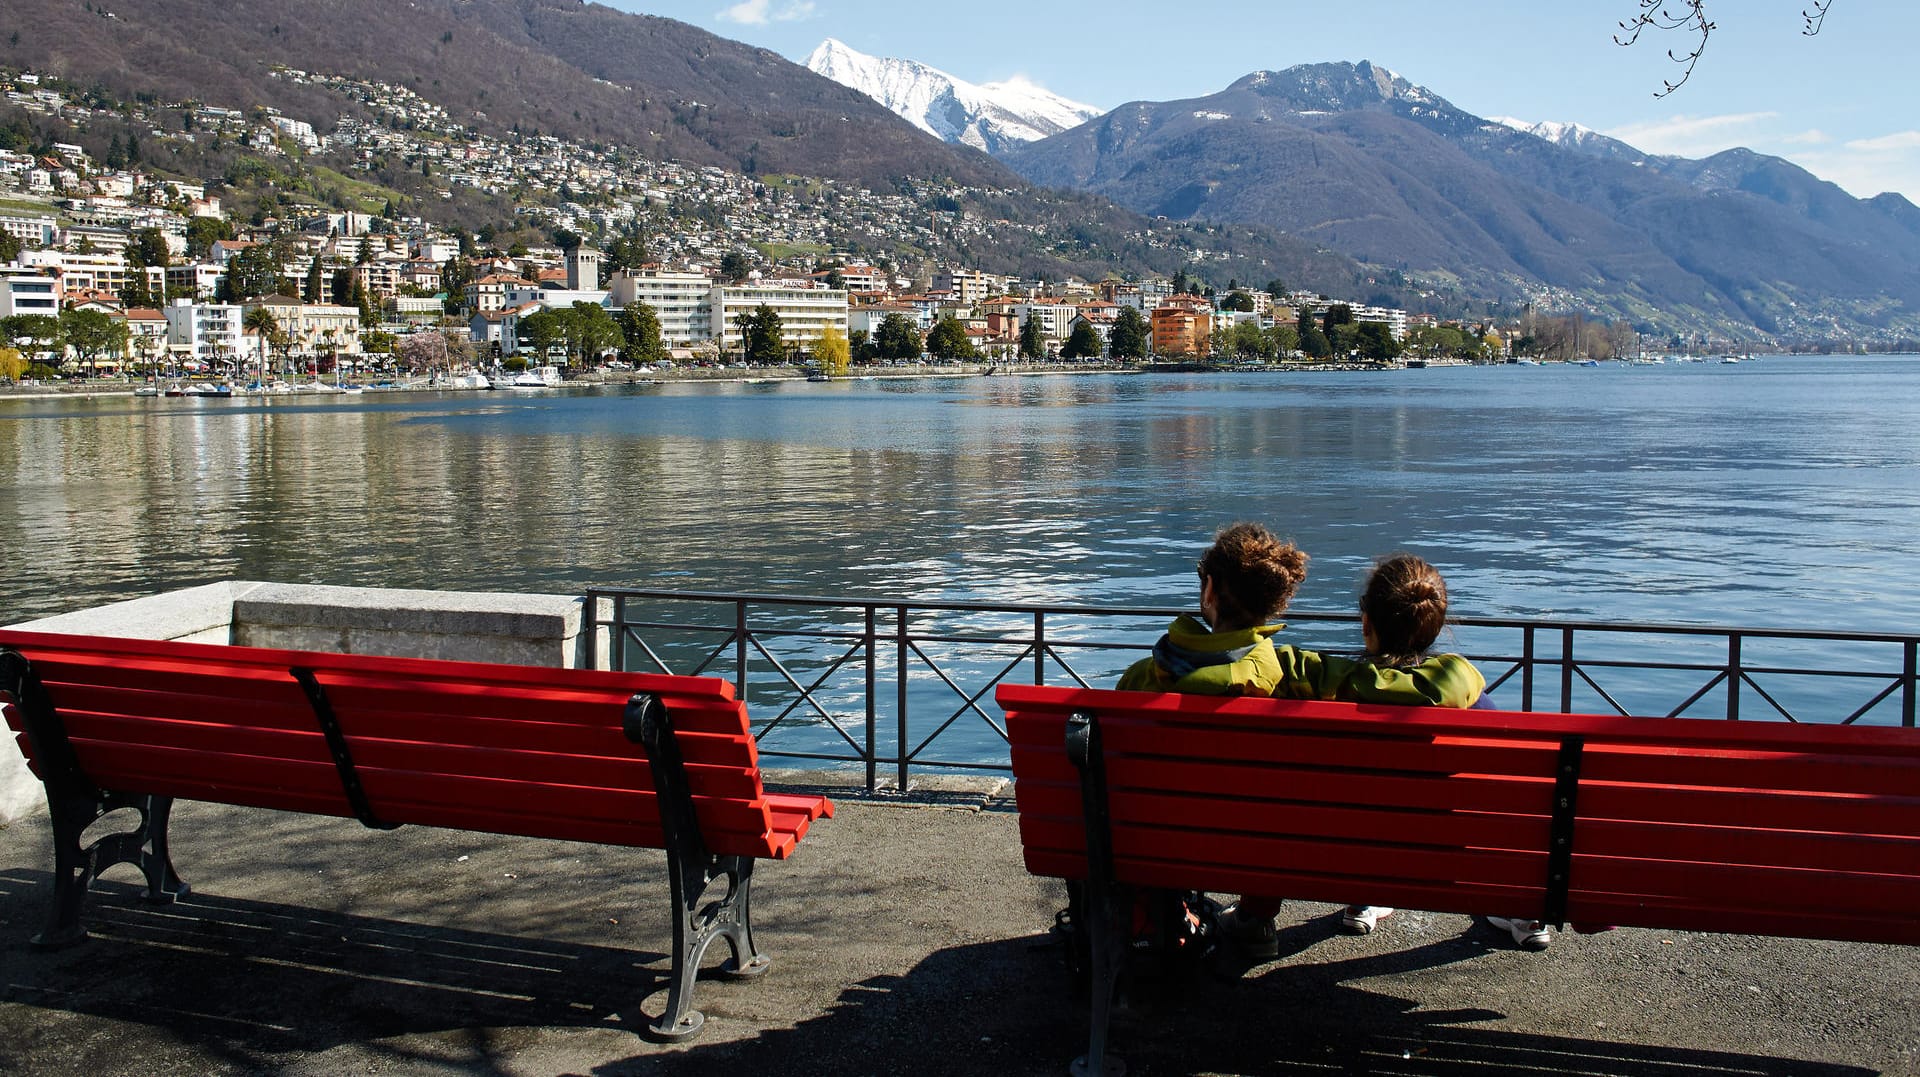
(1247, 577)
(1403, 608)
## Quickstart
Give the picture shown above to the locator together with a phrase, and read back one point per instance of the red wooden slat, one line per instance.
(1227, 783)
(1832, 812)
(1196, 850)
(1314, 749)
(1182, 712)
(1768, 888)
(125, 766)
(1343, 822)
(807, 804)
(1831, 772)
(1746, 845)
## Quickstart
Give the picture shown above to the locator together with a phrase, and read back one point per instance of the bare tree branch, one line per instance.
(1654, 14)
(1815, 16)
(1691, 16)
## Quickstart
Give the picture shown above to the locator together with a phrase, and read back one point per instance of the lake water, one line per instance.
(1780, 492)
(1783, 492)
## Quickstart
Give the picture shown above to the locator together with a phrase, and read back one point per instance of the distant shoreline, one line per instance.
(111, 387)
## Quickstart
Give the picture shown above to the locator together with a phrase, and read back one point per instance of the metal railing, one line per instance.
(819, 674)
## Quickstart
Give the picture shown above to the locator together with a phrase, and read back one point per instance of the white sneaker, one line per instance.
(1359, 919)
(1527, 934)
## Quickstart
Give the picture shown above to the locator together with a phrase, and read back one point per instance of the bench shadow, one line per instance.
(1007, 1007)
(247, 980)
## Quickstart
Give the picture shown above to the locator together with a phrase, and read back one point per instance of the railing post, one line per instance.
(1566, 671)
(592, 620)
(900, 668)
(617, 635)
(1908, 689)
(873, 686)
(740, 648)
(1526, 669)
(1733, 676)
(1039, 646)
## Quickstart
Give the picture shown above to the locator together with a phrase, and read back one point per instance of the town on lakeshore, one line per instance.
(110, 269)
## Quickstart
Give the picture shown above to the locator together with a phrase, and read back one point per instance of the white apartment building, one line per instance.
(33, 230)
(100, 272)
(805, 313)
(1056, 319)
(207, 331)
(1395, 320)
(200, 280)
(864, 278)
(28, 291)
(682, 301)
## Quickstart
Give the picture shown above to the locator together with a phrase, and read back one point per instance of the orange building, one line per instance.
(1181, 330)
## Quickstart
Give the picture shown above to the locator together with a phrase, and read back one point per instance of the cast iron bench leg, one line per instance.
(75, 867)
(695, 928)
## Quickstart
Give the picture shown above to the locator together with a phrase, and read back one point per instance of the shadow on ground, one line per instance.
(248, 985)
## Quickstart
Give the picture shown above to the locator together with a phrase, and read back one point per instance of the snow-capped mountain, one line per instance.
(1574, 137)
(992, 117)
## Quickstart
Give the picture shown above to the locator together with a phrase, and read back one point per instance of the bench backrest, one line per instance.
(1755, 828)
(522, 750)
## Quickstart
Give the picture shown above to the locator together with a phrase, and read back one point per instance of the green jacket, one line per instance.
(1442, 680)
(1194, 659)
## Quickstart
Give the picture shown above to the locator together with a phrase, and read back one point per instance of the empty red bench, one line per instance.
(1739, 827)
(583, 755)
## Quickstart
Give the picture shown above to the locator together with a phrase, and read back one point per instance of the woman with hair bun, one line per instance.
(1403, 608)
(1247, 577)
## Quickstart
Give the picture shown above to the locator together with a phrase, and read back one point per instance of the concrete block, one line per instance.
(193, 613)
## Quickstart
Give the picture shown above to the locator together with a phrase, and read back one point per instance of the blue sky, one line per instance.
(1844, 105)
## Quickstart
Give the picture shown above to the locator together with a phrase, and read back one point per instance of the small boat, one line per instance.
(473, 379)
(176, 389)
(818, 377)
(1729, 359)
(146, 390)
(546, 377)
(352, 390)
(1416, 364)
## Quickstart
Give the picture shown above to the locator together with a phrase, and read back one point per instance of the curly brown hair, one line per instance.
(1405, 602)
(1254, 574)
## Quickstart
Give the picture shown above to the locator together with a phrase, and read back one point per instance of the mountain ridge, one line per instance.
(990, 116)
(1364, 162)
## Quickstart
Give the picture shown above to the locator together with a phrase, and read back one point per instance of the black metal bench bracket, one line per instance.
(1566, 795)
(337, 747)
(75, 803)
(1106, 901)
(691, 872)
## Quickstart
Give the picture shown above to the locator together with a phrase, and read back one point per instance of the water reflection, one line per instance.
(1780, 492)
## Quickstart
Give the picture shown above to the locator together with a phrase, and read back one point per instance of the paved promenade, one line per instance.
(906, 939)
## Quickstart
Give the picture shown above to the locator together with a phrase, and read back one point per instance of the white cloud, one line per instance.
(1893, 143)
(1812, 137)
(1865, 173)
(762, 12)
(1693, 136)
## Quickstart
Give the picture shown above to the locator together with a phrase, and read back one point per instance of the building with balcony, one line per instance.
(208, 332)
(805, 313)
(1181, 331)
(25, 290)
(683, 302)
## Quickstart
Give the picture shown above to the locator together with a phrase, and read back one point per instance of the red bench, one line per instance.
(582, 755)
(1738, 827)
